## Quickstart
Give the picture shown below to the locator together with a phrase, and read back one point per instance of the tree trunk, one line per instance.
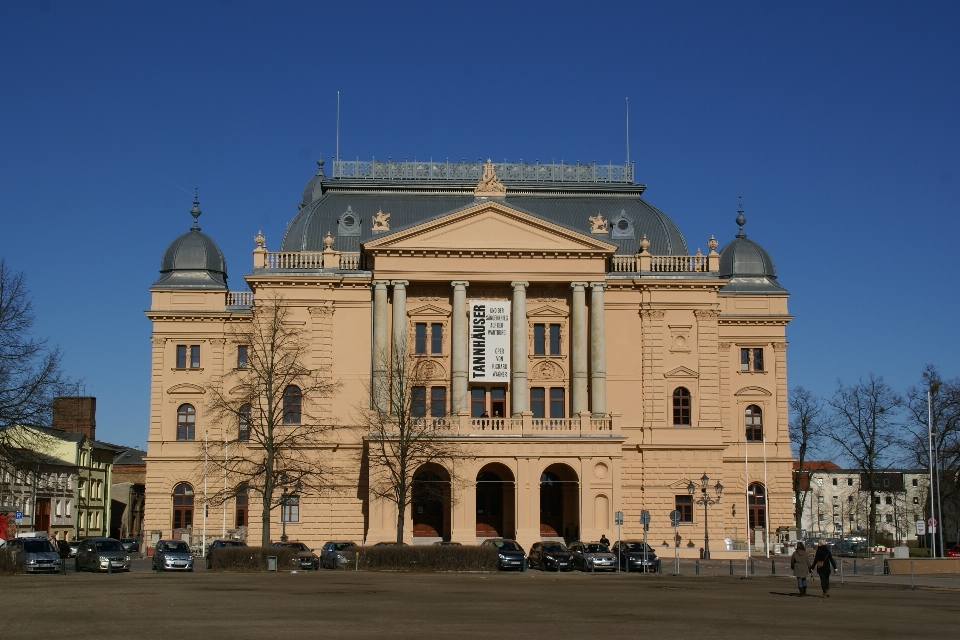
(265, 517)
(401, 516)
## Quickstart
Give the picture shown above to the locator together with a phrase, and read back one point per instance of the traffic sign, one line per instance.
(18, 516)
(674, 518)
(618, 518)
(932, 522)
(645, 518)
(921, 528)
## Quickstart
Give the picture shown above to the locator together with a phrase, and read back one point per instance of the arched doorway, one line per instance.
(430, 502)
(495, 502)
(756, 508)
(182, 507)
(559, 503)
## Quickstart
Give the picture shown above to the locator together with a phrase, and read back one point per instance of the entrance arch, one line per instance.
(496, 502)
(559, 503)
(430, 502)
(756, 508)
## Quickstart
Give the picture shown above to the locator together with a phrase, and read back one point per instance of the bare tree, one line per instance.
(30, 373)
(863, 426)
(806, 429)
(944, 421)
(269, 409)
(401, 439)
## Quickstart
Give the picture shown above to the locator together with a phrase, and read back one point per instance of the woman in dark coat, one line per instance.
(800, 563)
(824, 564)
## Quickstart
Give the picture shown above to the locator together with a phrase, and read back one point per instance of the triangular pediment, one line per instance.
(489, 226)
(428, 310)
(546, 311)
(681, 372)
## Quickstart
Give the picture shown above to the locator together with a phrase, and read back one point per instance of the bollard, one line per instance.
(753, 567)
(911, 575)
(697, 568)
(731, 567)
(854, 566)
(773, 568)
(63, 566)
(660, 568)
(356, 562)
(841, 571)
(109, 565)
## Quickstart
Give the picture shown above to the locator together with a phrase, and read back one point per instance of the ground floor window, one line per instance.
(182, 506)
(291, 509)
(241, 511)
(684, 504)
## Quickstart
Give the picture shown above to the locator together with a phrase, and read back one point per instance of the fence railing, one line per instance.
(527, 424)
(240, 298)
(428, 170)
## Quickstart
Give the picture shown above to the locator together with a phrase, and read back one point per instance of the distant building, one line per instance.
(129, 478)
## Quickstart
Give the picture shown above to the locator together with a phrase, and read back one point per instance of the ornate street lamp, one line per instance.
(706, 501)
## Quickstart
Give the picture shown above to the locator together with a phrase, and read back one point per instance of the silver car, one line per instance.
(172, 555)
(593, 556)
(37, 554)
(101, 554)
(337, 554)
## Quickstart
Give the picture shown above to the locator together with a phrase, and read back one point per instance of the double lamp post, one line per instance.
(706, 501)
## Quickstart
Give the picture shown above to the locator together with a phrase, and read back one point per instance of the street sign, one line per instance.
(645, 518)
(921, 528)
(674, 518)
(932, 522)
(618, 518)
(18, 516)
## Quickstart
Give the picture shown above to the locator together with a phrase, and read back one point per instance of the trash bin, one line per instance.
(271, 563)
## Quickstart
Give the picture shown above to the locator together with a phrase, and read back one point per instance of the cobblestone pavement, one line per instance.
(348, 604)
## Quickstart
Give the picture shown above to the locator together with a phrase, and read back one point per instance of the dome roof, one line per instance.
(192, 261)
(747, 264)
(314, 188)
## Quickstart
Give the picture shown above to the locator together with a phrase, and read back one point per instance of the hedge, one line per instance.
(251, 558)
(10, 562)
(427, 558)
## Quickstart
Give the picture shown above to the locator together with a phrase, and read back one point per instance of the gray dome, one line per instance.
(193, 261)
(748, 265)
(314, 188)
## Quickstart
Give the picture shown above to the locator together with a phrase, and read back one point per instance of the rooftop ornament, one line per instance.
(489, 185)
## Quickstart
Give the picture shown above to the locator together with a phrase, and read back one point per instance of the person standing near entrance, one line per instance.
(800, 563)
(824, 564)
(604, 541)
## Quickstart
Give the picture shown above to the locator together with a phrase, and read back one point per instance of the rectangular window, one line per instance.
(418, 402)
(242, 356)
(889, 500)
(758, 359)
(889, 517)
(744, 359)
(420, 338)
(181, 356)
(819, 499)
(539, 339)
(850, 518)
(878, 499)
(834, 482)
(291, 509)
(914, 482)
(684, 504)
(537, 402)
(195, 356)
(849, 482)
(557, 408)
(478, 402)
(820, 517)
(438, 402)
(498, 402)
(554, 339)
(436, 338)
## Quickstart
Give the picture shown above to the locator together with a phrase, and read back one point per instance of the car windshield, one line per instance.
(638, 546)
(595, 548)
(232, 543)
(37, 546)
(299, 546)
(109, 545)
(340, 546)
(178, 547)
(555, 547)
(507, 545)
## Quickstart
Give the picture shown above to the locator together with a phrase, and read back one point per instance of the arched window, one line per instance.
(244, 418)
(186, 422)
(182, 506)
(242, 513)
(292, 400)
(753, 421)
(757, 507)
(681, 407)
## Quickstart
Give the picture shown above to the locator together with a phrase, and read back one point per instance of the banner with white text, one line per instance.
(489, 341)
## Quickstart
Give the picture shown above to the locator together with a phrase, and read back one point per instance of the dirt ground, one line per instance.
(345, 604)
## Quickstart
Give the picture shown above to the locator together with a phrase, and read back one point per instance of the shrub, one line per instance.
(428, 558)
(10, 562)
(251, 558)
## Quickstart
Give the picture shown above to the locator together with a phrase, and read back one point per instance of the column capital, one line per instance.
(400, 283)
(381, 284)
(519, 285)
(598, 286)
(578, 286)
(459, 284)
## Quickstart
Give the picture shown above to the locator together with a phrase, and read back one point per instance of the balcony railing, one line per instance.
(664, 264)
(240, 298)
(422, 170)
(525, 425)
(313, 260)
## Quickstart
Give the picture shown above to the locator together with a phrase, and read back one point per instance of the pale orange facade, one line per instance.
(633, 371)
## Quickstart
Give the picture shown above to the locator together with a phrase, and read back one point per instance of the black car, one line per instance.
(220, 544)
(636, 555)
(550, 556)
(510, 555)
(306, 558)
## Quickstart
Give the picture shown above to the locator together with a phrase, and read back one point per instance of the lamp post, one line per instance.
(706, 501)
(284, 496)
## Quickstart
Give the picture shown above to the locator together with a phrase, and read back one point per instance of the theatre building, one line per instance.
(565, 337)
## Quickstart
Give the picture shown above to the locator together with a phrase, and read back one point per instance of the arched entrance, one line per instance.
(430, 502)
(559, 503)
(756, 508)
(495, 502)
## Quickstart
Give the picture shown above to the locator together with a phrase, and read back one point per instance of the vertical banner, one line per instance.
(489, 341)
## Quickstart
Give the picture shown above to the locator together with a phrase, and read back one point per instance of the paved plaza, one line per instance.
(523, 605)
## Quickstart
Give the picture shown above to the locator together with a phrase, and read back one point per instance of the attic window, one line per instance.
(622, 224)
(349, 223)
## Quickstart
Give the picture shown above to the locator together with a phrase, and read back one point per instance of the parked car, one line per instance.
(550, 556)
(335, 554)
(636, 555)
(38, 555)
(391, 544)
(220, 544)
(132, 545)
(954, 551)
(593, 556)
(172, 555)
(510, 555)
(101, 554)
(445, 543)
(306, 558)
(74, 547)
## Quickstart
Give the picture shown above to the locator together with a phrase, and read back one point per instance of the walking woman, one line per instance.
(822, 562)
(800, 563)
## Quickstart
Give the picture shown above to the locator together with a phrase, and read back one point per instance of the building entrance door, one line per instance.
(757, 504)
(41, 515)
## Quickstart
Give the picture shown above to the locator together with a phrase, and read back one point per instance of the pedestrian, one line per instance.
(603, 540)
(824, 564)
(800, 563)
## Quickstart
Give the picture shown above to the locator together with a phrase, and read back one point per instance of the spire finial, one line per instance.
(741, 219)
(195, 210)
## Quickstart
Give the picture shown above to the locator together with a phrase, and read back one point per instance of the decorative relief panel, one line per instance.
(680, 337)
(430, 370)
(547, 371)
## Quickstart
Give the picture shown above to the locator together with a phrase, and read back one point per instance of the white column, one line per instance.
(458, 329)
(399, 347)
(578, 349)
(598, 352)
(379, 355)
(518, 349)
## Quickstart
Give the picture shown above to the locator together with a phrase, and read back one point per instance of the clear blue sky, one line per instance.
(838, 122)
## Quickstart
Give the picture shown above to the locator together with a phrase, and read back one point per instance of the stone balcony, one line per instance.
(582, 426)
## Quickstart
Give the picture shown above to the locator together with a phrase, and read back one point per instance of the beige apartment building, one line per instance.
(615, 366)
